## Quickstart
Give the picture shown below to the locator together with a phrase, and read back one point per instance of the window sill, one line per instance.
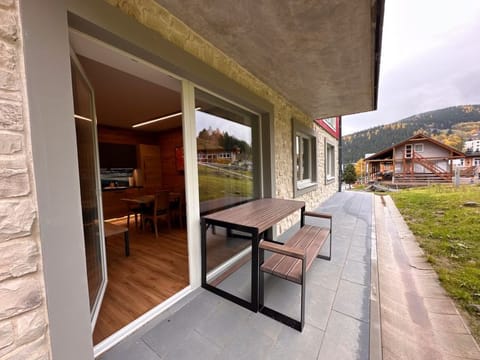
(302, 189)
(329, 180)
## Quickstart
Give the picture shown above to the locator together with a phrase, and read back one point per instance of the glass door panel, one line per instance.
(87, 152)
(227, 167)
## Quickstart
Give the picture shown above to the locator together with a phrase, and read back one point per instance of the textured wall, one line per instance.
(155, 17)
(23, 325)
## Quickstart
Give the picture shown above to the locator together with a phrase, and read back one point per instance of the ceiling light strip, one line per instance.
(159, 119)
(82, 117)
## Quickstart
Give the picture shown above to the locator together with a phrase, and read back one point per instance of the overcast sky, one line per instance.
(430, 59)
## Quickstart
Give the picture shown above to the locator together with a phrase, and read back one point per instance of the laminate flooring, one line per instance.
(156, 269)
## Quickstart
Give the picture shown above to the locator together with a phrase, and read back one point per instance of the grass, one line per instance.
(449, 233)
(215, 184)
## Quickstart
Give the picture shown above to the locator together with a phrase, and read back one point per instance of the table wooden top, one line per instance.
(259, 214)
(147, 199)
(111, 229)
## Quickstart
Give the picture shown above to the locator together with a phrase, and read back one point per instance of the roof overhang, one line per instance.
(323, 56)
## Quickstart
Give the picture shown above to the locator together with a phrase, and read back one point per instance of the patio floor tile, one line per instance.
(353, 300)
(345, 338)
(337, 307)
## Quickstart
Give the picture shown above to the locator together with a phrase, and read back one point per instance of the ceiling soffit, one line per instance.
(323, 56)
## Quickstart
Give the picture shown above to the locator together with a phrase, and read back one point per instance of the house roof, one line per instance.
(323, 56)
(418, 137)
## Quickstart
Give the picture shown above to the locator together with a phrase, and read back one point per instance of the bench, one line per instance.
(111, 230)
(292, 260)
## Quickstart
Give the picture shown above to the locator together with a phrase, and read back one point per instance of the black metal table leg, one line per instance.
(127, 243)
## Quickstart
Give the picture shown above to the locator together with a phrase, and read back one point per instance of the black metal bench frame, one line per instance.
(298, 253)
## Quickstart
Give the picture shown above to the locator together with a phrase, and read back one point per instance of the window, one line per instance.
(304, 158)
(332, 122)
(408, 151)
(226, 148)
(418, 148)
(329, 162)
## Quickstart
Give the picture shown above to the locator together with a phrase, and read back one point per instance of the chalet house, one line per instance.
(100, 106)
(469, 166)
(417, 160)
(210, 152)
(472, 154)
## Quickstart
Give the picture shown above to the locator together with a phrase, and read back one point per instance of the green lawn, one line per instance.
(449, 233)
(216, 184)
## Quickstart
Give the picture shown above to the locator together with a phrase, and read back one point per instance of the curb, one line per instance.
(375, 320)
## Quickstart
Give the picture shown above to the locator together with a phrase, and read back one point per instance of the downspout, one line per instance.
(340, 159)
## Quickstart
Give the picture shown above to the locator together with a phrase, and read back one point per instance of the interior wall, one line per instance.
(123, 136)
(172, 177)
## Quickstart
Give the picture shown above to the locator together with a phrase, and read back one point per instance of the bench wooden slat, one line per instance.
(285, 262)
(282, 249)
(311, 239)
(312, 251)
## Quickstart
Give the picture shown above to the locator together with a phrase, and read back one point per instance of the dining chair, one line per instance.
(160, 210)
(134, 210)
(177, 205)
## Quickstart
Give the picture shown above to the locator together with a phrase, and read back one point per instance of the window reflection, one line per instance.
(225, 149)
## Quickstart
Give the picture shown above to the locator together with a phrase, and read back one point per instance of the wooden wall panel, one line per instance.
(172, 178)
(112, 135)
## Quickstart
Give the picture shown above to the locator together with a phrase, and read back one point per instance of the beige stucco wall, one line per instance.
(23, 324)
(155, 17)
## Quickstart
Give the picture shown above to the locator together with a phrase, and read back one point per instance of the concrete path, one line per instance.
(206, 326)
(348, 304)
(418, 319)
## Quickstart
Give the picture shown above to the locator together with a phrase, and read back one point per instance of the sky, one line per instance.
(430, 59)
(205, 121)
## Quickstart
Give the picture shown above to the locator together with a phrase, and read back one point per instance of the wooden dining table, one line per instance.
(256, 218)
(146, 201)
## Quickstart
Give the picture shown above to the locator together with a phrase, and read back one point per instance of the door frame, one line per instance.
(101, 231)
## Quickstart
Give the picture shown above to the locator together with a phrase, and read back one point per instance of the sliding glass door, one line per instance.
(228, 168)
(87, 151)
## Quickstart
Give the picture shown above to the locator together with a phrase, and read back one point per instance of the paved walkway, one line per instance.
(337, 311)
(419, 321)
(346, 304)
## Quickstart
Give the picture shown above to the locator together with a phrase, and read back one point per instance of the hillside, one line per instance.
(451, 125)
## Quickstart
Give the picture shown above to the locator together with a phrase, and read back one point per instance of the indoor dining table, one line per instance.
(146, 201)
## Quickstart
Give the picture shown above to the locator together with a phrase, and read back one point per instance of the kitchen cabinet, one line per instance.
(150, 160)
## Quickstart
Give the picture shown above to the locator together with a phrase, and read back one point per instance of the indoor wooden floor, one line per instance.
(156, 269)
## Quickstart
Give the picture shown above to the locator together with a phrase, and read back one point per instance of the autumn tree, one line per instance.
(360, 168)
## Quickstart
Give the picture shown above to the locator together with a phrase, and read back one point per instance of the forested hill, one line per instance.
(450, 125)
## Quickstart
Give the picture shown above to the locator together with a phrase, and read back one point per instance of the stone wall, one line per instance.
(157, 18)
(23, 325)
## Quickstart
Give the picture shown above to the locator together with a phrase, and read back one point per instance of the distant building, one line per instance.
(472, 146)
(419, 159)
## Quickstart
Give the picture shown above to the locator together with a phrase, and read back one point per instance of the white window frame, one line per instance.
(418, 147)
(329, 162)
(306, 135)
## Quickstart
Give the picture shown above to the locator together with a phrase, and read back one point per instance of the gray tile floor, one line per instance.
(337, 310)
